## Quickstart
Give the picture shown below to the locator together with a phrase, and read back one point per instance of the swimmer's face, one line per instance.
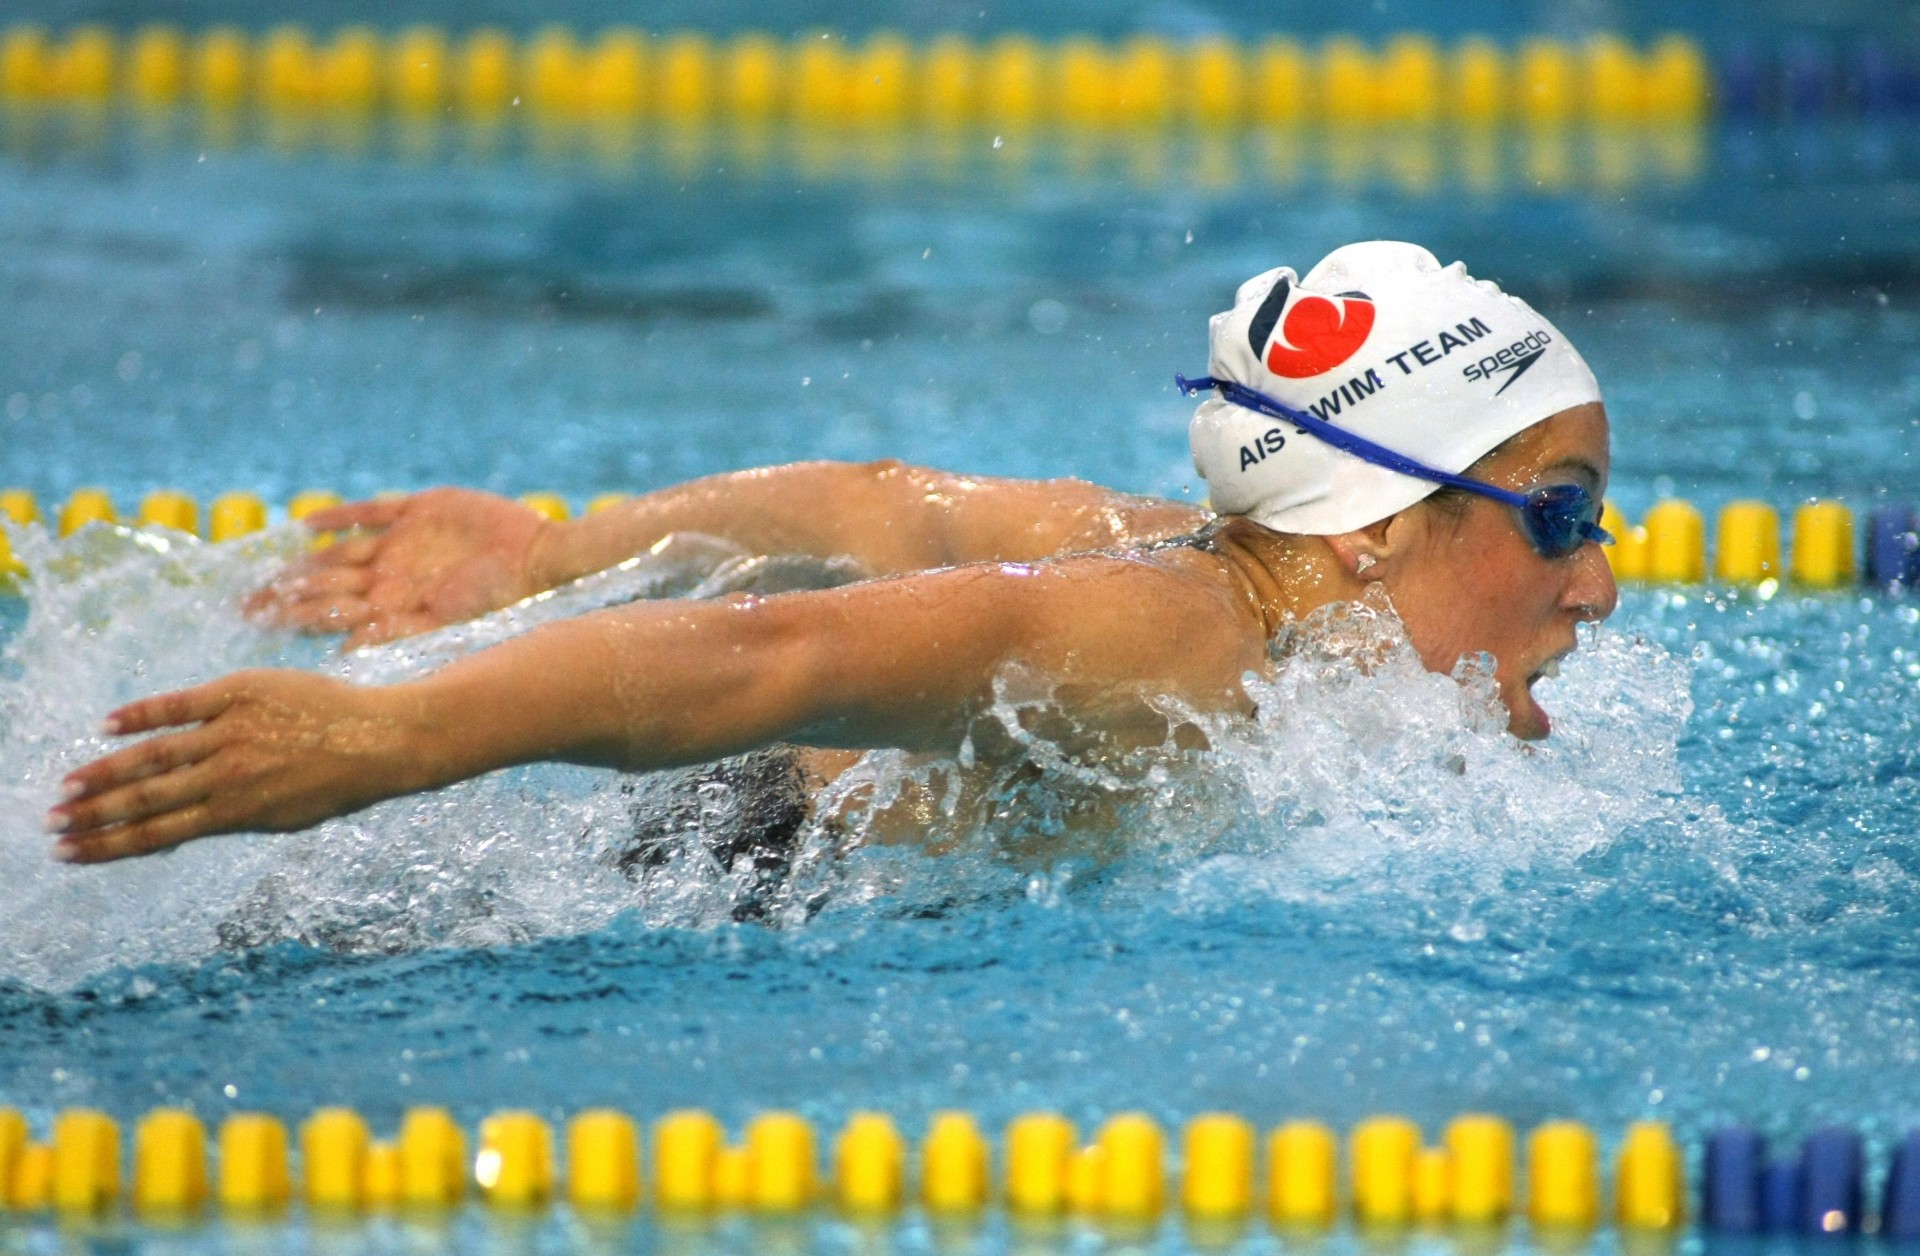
(1467, 581)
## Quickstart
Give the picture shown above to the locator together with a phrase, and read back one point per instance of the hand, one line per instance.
(267, 751)
(431, 559)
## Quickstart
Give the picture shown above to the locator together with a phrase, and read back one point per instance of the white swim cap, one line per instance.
(1383, 341)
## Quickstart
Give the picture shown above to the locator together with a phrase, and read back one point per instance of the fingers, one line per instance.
(305, 589)
(143, 799)
(348, 554)
(136, 762)
(378, 513)
(344, 615)
(351, 551)
(137, 800)
(330, 600)
(353, 601)
(391, 626)
(141, 838)
(325, 582)
(167, 710)
(255, 739)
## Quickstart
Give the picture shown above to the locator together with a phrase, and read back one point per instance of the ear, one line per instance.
(1370, 553)
(1363, 552)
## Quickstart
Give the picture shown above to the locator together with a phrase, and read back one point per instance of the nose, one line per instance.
(1591, 593)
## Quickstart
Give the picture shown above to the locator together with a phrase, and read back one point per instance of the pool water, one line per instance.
(1697, 902)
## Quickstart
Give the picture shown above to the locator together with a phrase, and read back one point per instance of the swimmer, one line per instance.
(1380, 423)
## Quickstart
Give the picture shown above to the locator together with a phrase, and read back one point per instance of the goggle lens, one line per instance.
(1560, 518)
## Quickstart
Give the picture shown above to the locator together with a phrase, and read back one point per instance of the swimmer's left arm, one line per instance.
(906, 662)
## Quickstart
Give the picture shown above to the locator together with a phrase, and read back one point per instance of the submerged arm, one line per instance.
(906, 662)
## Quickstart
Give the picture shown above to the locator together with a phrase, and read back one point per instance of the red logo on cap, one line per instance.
(1317, 334)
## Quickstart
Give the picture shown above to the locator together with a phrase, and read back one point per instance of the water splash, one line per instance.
(114, 613)
(1377, 771)
(1361, 772)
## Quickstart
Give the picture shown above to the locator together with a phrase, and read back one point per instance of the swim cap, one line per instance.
(1382, 340)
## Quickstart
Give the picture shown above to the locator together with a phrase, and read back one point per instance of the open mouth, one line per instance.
(1531, 720)
(1549, 669)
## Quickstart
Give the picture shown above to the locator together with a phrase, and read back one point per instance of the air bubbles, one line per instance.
(1048, 316)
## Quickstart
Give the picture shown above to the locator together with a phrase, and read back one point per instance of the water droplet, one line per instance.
(1048, 316)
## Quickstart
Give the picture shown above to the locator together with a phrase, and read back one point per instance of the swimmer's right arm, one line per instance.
(907, 662)
(440, 556)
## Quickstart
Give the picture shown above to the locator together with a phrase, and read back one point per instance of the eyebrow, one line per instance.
(1581, 467)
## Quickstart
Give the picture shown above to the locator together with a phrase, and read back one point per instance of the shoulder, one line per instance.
(1173, 617)
(1106, 517)
(1104, 626)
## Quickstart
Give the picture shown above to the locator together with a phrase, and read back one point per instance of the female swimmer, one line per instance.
(1381, 421)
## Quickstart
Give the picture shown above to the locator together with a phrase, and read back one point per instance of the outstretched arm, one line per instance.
(905, 662)
(444, 555)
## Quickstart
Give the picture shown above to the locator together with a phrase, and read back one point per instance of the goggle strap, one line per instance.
(1343, 440)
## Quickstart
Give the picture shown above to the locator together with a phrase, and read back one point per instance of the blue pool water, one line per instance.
(1696, 903)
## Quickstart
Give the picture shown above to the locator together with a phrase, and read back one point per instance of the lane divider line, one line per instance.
(1668, 546)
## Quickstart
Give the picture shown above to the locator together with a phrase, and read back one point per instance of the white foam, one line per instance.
(1390, 777)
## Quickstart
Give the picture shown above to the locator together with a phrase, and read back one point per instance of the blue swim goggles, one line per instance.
(1558, 519)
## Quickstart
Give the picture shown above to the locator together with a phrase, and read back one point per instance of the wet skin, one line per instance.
(1473, 584)
(975, 575)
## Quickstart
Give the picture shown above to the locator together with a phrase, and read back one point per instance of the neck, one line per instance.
(1283, 575)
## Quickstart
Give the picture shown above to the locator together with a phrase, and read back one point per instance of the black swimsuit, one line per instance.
(748, 812)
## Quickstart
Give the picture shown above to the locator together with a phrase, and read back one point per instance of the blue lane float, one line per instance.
(1810, 80)
(1821, 1190)
(1893, 546)
(1900, 1206)
(1730, 1190)
(1780, 1195)
(1833, 1167)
